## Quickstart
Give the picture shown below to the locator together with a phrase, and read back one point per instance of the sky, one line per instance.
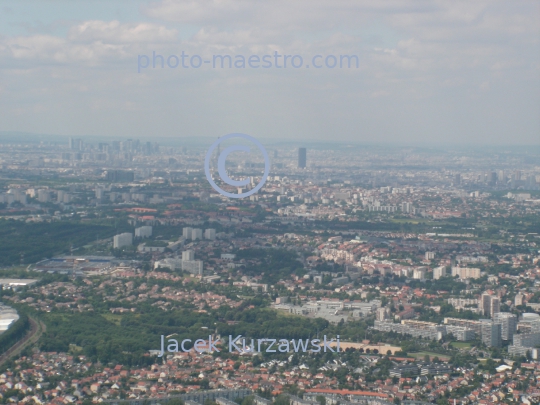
(429, 71)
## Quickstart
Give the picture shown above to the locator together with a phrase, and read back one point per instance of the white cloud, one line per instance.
(438, 58)
(115, 32)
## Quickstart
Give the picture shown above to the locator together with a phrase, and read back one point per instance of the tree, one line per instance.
(282, 400)
(248, 400)
(321, 399)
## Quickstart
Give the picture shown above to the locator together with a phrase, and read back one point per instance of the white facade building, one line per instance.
(196, 234)
(143, 232)
(123, 239)
(210, 234)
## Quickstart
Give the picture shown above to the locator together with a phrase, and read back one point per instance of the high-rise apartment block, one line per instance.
(508, 324)
(44, 196)
(490, 305)
(186, 232)
(406, 207)
(123, 239)
(210, 234)
(196, 234)
(143, 232)
(190, 264)
(188, 255)
(439, 272)
(465, 272)
(495, 306)
(491, 333)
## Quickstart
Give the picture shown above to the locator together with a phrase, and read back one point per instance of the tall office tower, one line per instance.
(508, 324)
(186, 232)
(495, 306)
(531, 182)
(492, 178)
(75, 144)
(302, 158)
(491, 333)
(188, 255)
(457, 179)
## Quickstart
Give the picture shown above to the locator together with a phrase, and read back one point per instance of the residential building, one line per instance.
(188, 255)
(196, 234)
(508, 324)
(491, 333)
(186, 232)
(466, 272)
(123, 239)
(210, 234)
(439, 272)
(143, 232)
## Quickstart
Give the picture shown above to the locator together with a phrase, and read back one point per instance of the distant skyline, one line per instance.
(430, 73)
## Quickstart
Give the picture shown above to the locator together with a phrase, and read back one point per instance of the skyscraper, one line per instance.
(302, 158)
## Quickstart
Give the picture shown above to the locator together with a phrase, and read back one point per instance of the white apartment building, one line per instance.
(466, 272)
(143, 232)
(123, 239)
(439, 272)
(210, 234)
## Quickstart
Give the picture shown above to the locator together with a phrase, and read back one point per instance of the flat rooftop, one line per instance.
(18, 281)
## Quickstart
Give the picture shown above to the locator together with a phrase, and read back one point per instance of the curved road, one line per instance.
(36, 330)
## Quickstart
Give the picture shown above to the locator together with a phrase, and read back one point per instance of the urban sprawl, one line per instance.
(424, 263)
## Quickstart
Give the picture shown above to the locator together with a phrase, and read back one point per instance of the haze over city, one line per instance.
(429, 72)
(235, 202)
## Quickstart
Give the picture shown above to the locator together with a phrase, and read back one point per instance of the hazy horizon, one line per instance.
(441, 73)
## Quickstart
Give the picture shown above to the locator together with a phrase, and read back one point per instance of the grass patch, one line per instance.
(461, 345)
(114, 318)
(420, 355)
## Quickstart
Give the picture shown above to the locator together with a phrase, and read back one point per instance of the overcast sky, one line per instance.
(429, 70)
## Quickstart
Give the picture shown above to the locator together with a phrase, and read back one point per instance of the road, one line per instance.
(36, 330)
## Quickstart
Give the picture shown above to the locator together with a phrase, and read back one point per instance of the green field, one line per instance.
(420, 355)
(461, 345)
